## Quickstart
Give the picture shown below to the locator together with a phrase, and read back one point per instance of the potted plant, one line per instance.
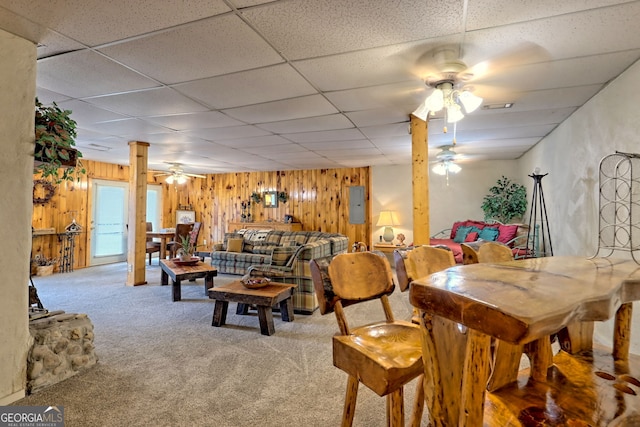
(55, 133)
(186, 248)
(44, 266)
(506, 200)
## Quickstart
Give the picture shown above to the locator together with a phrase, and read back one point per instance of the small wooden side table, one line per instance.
(264, 298)
(178, 273)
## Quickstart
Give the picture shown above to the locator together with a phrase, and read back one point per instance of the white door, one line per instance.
(109, 222)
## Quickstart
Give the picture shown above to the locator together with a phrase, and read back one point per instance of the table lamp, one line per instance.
(387, 220)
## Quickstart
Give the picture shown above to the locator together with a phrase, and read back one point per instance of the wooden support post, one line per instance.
(420, 176)
(136, 241)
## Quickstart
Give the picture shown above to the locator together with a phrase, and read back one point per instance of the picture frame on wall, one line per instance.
(270, 199)
(185, 217)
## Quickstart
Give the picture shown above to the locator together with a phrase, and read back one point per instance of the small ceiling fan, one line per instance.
(444, 164)
(177, 174)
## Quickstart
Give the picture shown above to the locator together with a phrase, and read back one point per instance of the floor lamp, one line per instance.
(538, 235)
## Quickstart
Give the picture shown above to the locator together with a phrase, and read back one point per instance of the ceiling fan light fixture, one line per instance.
(181, 179)
(454, 114)
(445, 167)
(169, 179)
(469, 101)
(435, 101)
(422, 111)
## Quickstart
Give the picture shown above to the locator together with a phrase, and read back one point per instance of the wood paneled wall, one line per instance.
(318, 198)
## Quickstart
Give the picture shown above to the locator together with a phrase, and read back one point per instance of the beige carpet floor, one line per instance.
(161, 363)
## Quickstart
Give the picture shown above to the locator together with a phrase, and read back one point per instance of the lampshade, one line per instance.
(387, 219)
(177, 178)
(169, 179)
(470, 101)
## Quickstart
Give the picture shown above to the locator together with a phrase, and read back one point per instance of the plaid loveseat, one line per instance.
(282, 256)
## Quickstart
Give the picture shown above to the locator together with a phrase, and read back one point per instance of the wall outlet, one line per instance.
(130, 267)
(204, 241)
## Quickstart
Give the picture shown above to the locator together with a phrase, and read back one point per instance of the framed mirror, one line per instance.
(270, 199)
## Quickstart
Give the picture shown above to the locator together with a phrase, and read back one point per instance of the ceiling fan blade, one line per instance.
(193, 175)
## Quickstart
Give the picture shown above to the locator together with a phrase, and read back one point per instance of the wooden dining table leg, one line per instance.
(475, 377)
(622, 332)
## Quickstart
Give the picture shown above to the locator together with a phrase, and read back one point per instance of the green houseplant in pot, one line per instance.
(55, 133)
(505, 202)
(186, 248)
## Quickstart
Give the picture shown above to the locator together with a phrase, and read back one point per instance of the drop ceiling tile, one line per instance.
(202, 120)
(271, 150)
(350, 152)
(85, 73)
(284, 157)
(554, 98)
(391, 129)
(248, 87)
(493, 13)
(337, 145)
(564, 36)
(259, 141)
(378, 116)
(288, 109)
(172, 56)
(46, 97)
(86, 114)
(232, 132)
(372, 97)
(312, 124)
(506, 118)
(147, 103)
(330, 135)
(307, 28)
(127, 127)
(392, 141)
(563, 73)
(97, 21)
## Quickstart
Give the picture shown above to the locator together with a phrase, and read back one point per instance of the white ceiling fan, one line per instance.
(457, 88)
(177, 174)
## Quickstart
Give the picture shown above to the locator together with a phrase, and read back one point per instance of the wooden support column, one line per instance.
(136, 242)
(420, 177)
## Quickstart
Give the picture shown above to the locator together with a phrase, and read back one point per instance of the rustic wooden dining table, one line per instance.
(477, 321)
(163, 236)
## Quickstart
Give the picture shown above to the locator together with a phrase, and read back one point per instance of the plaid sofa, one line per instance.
(282, 256)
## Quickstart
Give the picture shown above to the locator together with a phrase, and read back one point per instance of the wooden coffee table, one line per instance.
(178, 273)
(264, 298)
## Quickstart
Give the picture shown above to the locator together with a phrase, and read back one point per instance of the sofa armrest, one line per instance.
(269, 271)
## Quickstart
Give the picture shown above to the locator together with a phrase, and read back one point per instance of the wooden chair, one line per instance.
(182, 230)
(384, 356)
(152, 246)
(475, 252)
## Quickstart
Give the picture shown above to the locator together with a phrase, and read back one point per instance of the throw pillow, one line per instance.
(281, 255)
(507, 232)
(455, 227)
(234, 245)
(471, 237)
(461, 234)
(489, 233)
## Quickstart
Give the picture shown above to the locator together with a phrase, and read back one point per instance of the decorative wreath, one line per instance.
(42, 186)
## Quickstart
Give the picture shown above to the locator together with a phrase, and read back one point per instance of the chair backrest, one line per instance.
(149, 228)
(357, 277)
(182, 230)
(195, 232)
(494, 252)
(426, 260)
